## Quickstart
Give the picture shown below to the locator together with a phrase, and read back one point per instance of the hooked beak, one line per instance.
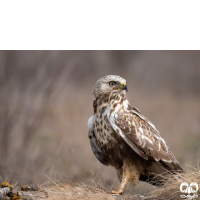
(125, 88)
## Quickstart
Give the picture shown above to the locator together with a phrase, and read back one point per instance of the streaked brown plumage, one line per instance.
(122, 137)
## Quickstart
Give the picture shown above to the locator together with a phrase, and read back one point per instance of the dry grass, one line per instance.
(171, 188)
(71, 189)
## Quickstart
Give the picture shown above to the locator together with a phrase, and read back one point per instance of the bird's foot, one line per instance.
(117, 192)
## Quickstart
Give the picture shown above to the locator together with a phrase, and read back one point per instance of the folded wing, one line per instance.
(141, 135)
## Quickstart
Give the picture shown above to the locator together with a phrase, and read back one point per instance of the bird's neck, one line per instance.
(115, 102)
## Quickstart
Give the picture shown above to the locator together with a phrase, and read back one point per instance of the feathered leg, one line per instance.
(130, 173)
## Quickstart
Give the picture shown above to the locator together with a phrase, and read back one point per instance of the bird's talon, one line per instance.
(117, 192)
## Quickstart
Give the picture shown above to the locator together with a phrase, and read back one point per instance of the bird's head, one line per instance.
(110, 84)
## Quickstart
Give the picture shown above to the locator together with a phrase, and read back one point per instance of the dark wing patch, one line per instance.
(139, 133)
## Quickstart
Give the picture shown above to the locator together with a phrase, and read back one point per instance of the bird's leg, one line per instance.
(130, 173)
(122, 185)
(122, 180)
(123, 175)
(121, 188)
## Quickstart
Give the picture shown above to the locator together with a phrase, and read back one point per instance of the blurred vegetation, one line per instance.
(45, 99)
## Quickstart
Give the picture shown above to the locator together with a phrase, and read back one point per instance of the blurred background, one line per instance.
(45, 103)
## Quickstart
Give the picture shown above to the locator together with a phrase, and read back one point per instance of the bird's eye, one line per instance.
(111, 83)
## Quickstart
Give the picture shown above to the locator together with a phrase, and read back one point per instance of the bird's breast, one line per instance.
(111, 144)
(102, 128)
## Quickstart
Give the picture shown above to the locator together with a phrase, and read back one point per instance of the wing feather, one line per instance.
(142, 136)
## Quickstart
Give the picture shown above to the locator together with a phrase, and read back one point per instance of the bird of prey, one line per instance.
(122, 137)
